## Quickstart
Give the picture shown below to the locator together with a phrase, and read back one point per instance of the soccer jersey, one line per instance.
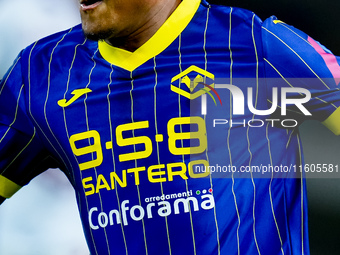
(189, 145)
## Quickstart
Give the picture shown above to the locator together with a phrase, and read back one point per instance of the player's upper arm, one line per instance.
(292, 55)
(22, 152)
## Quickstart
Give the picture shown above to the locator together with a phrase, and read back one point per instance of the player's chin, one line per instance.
(95, 34)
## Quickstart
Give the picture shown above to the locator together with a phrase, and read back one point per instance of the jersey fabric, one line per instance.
(141, 139)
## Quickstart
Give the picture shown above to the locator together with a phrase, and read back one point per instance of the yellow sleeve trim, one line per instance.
(7, 187)
(165, 35)
(278, 21)
(333, 122)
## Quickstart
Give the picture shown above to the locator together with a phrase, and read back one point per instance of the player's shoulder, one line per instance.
(236, 13)
(67, 39)
(73, 34)
(274, 27)
(279, 37)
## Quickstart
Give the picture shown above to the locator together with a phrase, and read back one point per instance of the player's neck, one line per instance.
(137, 38)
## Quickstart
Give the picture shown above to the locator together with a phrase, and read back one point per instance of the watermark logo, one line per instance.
(198, 86)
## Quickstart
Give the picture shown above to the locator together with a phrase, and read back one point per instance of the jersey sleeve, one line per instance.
(302, 62)
(22, 155)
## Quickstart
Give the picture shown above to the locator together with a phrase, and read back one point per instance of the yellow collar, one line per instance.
(166, 34)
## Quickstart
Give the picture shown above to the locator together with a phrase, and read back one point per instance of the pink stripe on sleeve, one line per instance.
(329, 59)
